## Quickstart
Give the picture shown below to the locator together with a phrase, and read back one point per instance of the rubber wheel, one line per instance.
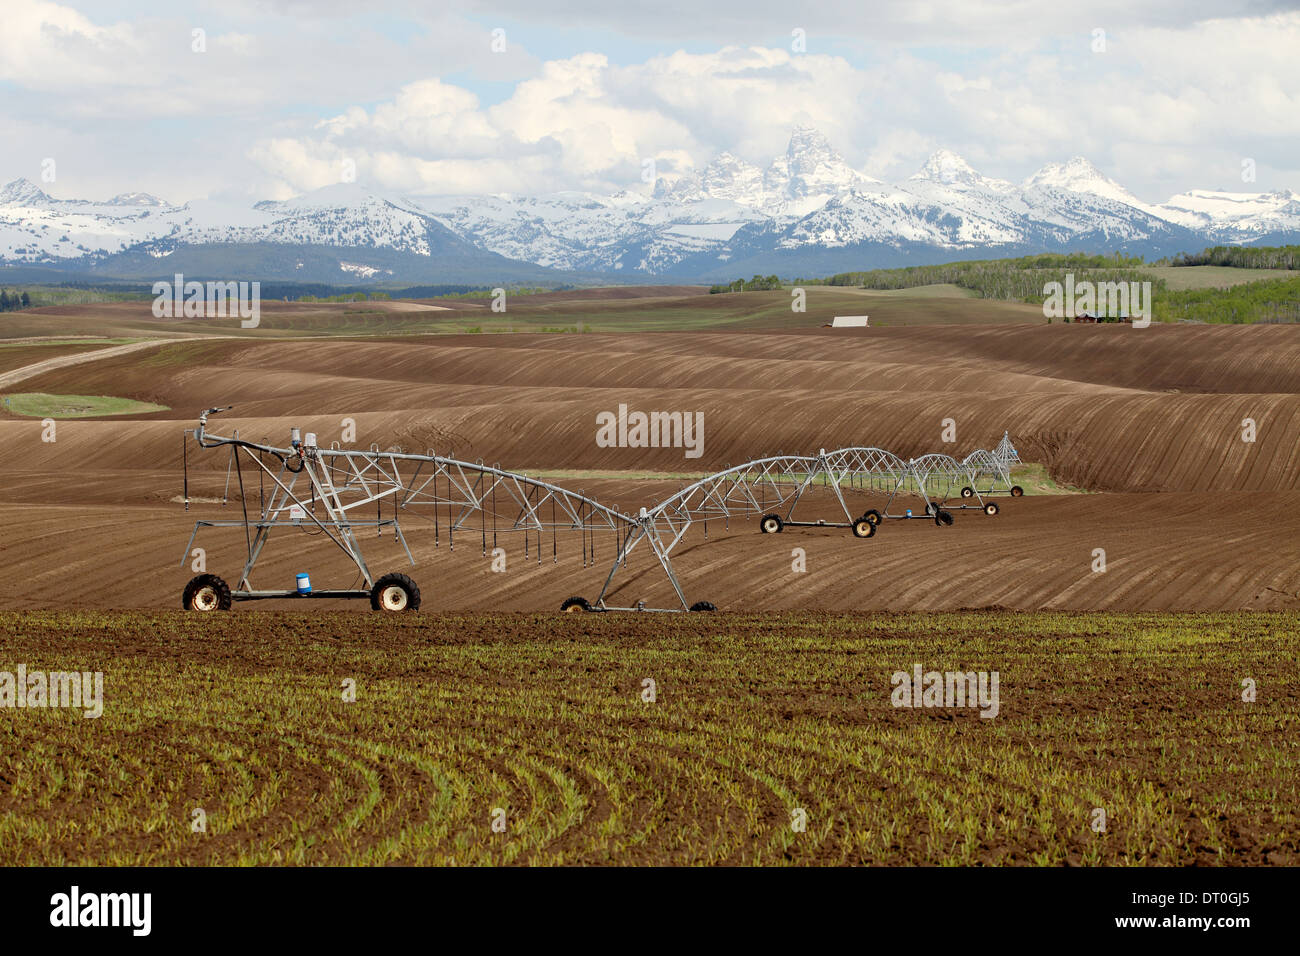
(703, 606)
(944, 517)
(207, 592)
(873, 516)
(968, 492)
(991, 508)
(862, 528)
(1017, 491)
(575, 605)
(395, 593)
(771, 524)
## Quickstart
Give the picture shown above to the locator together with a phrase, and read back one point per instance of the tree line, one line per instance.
(13, 301)
(1242, 257)
(1013, 280)
(346, 297)
(756, 284)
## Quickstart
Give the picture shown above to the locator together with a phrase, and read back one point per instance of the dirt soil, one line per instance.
(1188, 514)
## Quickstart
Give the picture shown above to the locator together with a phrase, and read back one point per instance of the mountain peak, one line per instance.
(136, 199)
(1076, 168)
(1078, 175)
(22, 192)
(678, 187)
(333, 196)
(807, 138)
(945, 166)
(812, 167)
(729, 177)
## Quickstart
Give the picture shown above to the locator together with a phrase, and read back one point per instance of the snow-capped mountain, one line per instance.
(20, 192)
(806, 211)
(1236, 217)
(340, 215)
(580, 231)
(947, 168)
(947, 205)
(136, 199)
(803, 178)
(1080, 176)
(37, 228)
(334, 234)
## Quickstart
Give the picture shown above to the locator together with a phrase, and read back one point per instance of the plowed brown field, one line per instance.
(89, 519)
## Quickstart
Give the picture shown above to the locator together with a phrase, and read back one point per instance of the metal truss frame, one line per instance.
(446, 492)
(326, 489)
(992, 469)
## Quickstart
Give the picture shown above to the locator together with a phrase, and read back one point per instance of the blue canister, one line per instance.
(304, 585)
(909, 514)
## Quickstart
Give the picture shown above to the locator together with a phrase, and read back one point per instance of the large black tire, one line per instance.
(395, 593)
(968, 492)
(207, 592)
(703, 606)
(575, 605)
(943, 517)
(771, 524)
(862, 528)
(872, 515)
(1017, 491)
(991, 508)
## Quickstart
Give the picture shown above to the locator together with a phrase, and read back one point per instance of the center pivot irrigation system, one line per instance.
(993, 468)
(934, 479)
(331, 491)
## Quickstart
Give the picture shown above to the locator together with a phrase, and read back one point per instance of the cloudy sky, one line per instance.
(253, 99)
